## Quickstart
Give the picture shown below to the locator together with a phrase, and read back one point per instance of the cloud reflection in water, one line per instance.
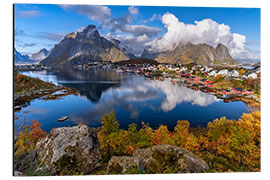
(137, 91)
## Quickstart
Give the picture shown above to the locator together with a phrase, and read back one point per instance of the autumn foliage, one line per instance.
(226, 145)
(28, 138)
(24, 84)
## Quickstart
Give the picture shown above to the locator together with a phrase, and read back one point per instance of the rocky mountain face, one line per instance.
(192, 53)
(40, 55)
(22, 59)
(84, 47)
(124, 49)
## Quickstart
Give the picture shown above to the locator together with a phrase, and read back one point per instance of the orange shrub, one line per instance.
(161, 136)
(28, 138)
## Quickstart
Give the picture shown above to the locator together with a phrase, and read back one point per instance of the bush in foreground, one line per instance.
(227, 145)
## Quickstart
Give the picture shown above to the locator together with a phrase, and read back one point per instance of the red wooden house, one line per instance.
(227, 92)
(204, 81)
(237, 91)
(249, 91)
(193, 79)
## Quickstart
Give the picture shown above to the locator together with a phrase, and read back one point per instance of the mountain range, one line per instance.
(83, 47)
(192, 53)
(88, 46)
(34, 58)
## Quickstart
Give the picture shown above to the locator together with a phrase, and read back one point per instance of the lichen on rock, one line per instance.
(157, 159)
(70, 150)
(124, 164)
(170, 159)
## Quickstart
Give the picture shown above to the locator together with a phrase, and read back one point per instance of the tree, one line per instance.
(109, 126)
(242, 71)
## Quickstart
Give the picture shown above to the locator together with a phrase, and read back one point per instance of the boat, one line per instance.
(63, 118)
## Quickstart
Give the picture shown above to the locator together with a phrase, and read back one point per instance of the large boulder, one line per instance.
(70, 150)
(158, 159)
(124, 165)
(171, 159)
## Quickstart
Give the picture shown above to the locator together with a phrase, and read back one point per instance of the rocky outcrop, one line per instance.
(192, 53)
(69, 150)
(158, 159)
(83, 47)
(124, 165)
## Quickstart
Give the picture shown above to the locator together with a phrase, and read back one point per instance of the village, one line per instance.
(196, 77)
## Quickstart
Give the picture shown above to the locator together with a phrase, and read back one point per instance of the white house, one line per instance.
(250, 75)
(223, 72)
(233, 73)
(211, 73)
(183, 68)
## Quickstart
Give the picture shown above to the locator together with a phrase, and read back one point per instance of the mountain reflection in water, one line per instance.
(134, 99)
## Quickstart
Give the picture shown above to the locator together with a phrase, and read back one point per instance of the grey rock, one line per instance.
(180, 160)
(157, 159)
(17, 107)
(70, 149)
(124, 164)
(18, 173)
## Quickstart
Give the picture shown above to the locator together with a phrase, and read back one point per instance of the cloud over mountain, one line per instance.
(156, 30)
(102, 14)
(205, 31)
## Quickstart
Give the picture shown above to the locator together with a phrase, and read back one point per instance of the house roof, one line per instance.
(239, 89)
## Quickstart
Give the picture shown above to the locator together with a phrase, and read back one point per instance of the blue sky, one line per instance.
(40, 26)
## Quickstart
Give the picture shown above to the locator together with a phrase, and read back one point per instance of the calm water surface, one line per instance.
(133, 98)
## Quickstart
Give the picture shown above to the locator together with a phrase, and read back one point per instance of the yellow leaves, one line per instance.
(242, 71)
(161, 135)
(235, 141)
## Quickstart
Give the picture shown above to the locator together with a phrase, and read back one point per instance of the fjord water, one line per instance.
(134, 98)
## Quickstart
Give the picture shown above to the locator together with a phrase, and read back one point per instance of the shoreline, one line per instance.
(46, 94)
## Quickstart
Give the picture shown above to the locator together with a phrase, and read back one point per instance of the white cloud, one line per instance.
(133, 10)
(205, 31)
(50, 36)
(79, 30)
(154, 17)
(132, 44)
(139, 30)
(169, 94)
(28, 14)
(94, 12)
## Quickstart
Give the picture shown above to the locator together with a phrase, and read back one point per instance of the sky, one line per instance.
(159, 28)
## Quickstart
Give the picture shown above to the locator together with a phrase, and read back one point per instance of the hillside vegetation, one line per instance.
(24, 84)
